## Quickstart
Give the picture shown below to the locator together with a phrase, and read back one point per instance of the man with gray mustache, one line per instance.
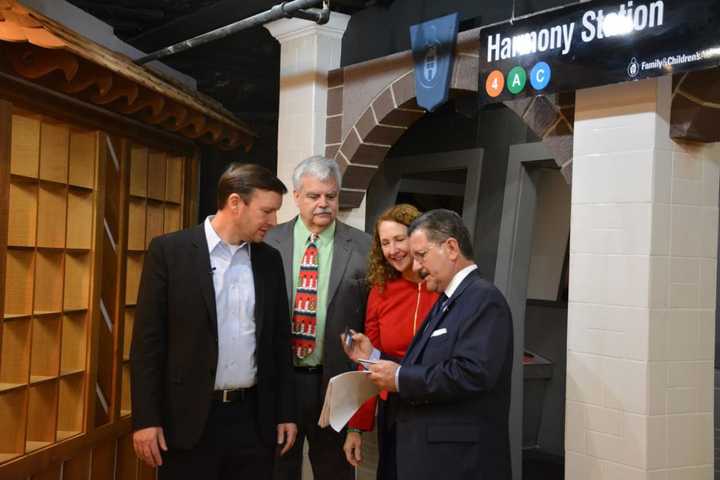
(325, 264)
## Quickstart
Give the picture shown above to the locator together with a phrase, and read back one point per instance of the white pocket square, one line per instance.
(438, 332)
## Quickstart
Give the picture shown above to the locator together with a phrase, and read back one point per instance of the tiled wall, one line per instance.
(642, 291)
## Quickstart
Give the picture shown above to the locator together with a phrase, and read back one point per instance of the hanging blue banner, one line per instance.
(433, 48)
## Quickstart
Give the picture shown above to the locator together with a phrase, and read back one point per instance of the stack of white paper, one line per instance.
(345, 395)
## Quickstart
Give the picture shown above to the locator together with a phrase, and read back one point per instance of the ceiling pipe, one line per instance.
(290, 9)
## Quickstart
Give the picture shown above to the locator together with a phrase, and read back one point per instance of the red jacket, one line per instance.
(392, 318)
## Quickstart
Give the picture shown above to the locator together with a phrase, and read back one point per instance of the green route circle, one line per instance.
(516, 80)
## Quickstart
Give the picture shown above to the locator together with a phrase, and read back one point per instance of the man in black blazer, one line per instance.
(454, 382)
(339, 301)
(211, 367)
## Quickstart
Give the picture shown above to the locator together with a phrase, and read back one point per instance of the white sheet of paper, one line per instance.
(344, 396)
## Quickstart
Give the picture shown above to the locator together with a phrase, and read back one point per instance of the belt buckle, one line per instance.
(225, 396)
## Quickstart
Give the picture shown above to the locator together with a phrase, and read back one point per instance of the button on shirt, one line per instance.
(235, 304)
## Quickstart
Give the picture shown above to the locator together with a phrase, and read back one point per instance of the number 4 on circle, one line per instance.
(495, 83)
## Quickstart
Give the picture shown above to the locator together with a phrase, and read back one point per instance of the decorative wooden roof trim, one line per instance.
(40, 49)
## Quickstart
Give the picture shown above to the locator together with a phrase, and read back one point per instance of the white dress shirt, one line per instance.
(235, 304)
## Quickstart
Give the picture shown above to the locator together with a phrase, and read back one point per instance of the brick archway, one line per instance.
(371, 105)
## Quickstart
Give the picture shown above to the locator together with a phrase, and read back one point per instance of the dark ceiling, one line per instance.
(240, 71)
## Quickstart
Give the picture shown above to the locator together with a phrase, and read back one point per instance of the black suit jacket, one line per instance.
(347, 290)
(452, 419)
(174, 350)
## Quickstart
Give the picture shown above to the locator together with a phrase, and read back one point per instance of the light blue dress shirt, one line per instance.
(235, 305)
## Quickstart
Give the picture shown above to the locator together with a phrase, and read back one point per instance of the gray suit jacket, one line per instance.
(347, 291)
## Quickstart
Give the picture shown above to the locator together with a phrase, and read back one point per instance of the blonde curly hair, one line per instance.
(380, 272)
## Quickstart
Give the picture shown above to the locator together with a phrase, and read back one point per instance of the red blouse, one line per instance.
(392, 318)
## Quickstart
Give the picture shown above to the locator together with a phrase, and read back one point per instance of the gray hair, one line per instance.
(316, 166)
(441, 224)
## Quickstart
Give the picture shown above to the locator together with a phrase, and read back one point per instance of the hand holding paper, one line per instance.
(344, 396)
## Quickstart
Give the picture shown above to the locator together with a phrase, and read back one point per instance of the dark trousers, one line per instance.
(325, 444)
(387, 463)
(230, 447)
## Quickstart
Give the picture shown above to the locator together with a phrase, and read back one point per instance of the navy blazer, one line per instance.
(452, 420)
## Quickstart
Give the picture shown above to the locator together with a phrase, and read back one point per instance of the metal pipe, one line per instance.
(283, 10)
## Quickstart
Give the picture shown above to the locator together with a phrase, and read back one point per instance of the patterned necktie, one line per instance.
(305, 306)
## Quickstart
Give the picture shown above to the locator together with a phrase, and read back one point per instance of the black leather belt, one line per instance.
(231, 396)
(313, 369)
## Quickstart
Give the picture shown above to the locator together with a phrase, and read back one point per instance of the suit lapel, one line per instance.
(204, 274)
(284, 244)
(418, 345)
(258, 279)
(341, 256)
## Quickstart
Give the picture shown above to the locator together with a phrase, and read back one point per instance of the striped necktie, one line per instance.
(305, 306)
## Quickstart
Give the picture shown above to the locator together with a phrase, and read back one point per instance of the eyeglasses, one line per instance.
(419, 256)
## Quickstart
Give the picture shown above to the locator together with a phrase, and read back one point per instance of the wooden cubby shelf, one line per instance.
(70, 401)
(156, 175)
(136, 224)
(15, 354)
(52, 211)
(48, 282)
(19, 274)
(77, 281)
(173, 218)
(73, 344)
(13, 419)
(42, 414)
(138, 171)
(45, 348)
(22, 224)
(54, 149)
(174, 179)
(83, 153)
(25, 146)
(79, 219)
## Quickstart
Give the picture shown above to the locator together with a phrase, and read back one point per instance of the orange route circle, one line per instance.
(494, 83)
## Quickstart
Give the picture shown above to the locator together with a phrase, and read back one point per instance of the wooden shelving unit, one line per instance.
(44, 335)
(71, 276)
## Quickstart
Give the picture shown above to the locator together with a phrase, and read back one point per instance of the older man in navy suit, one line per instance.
(454, 382)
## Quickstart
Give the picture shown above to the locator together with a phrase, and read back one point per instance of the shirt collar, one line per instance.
(213, 239)
(458, 278)
(325, 238)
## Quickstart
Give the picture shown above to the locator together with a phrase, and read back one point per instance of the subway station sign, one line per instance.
(596, 43)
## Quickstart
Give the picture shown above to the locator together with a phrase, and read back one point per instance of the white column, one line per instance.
(641, 327)
(307, 53)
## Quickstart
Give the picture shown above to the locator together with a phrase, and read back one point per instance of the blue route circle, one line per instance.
(540, 75)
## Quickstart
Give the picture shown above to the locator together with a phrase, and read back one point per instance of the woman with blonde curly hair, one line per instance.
(398, 303)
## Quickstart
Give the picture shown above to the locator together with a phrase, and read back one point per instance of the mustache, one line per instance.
(320, 211)
(423, 273)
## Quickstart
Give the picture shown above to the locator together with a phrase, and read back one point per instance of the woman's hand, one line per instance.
(353, 448)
